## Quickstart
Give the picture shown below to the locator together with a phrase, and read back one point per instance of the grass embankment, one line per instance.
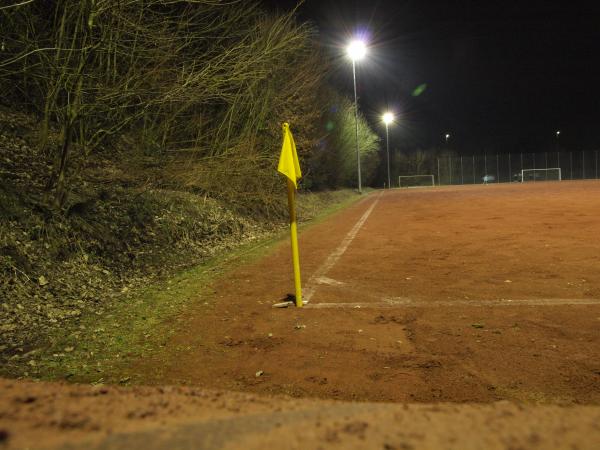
(140, 322)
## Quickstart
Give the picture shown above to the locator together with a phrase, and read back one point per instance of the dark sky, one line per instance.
(501, 76)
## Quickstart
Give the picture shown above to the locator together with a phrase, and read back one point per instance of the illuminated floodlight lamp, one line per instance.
(356, 50)
(557, 133)
(388, 118)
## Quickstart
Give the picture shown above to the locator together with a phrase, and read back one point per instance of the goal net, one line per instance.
(553, 174)
(408, 181)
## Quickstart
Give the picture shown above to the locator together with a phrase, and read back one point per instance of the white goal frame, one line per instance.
(538, 170)
(416, 176)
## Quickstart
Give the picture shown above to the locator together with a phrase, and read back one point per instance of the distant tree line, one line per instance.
(201, 85)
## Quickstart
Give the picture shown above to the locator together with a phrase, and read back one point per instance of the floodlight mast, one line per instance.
(387, 119)
(356, 51)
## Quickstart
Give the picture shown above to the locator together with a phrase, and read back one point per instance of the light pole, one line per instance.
(388, 118)
(557, 148)
(446, 136)
(356, 51)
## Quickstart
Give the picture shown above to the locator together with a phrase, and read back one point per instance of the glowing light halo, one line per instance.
(388, 118)
(356, 50)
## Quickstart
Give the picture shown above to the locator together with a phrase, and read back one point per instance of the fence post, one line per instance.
(450, 165)
(462, 175)
(583, 164)
(571, 158)
(473, 169)
(497, 169)
(557, 159)
(596, 151)
(439, 179)
(485, 164)
(510, 177)
(521, 164)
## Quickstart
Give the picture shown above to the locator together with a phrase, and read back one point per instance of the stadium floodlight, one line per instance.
(447, 137)
(557, 133)
(356, 51)
(388, 118)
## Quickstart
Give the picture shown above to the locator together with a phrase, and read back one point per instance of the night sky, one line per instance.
(501, 76)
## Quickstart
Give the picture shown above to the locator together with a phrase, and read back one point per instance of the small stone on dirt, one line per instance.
(26, 399)
(282, 304)
(477, 325)
(259, 374)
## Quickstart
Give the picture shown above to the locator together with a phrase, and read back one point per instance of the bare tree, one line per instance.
(198, 82)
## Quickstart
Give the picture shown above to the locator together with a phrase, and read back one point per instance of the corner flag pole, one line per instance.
(290, 168)
(294, 239)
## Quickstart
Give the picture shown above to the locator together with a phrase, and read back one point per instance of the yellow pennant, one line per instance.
(288, 160)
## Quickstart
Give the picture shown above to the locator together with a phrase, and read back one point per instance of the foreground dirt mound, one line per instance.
(50, 415)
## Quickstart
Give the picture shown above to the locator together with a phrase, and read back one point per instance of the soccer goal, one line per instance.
(413, 181)
(552, 174)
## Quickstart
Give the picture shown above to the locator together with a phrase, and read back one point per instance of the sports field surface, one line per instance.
(460, 294)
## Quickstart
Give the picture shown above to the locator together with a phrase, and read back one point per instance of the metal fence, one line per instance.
(504, 168)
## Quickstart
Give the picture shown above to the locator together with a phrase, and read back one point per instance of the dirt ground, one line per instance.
(447, 302)
(456, 294)
(58, 416)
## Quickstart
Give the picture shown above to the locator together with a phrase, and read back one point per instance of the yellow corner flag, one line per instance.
(290, 168)
(288, 160)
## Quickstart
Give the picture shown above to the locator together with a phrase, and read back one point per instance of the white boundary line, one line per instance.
(405, 302)
(332, 259)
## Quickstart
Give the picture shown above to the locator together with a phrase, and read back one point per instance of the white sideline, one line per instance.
(333, 258)
(406, 302)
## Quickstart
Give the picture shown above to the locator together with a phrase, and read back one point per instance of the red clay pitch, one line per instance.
(471, 293)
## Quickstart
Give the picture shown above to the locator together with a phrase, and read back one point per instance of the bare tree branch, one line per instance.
(16, 5)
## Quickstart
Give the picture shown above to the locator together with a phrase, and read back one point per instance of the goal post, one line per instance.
(550, 174)
(413, 181)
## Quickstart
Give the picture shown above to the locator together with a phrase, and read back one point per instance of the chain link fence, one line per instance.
(507, 167)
